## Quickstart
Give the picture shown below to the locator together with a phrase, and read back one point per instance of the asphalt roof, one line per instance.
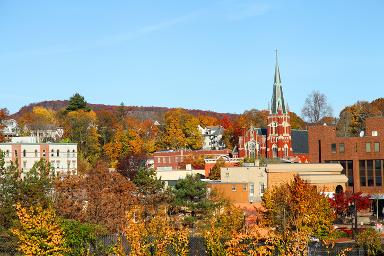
(299, 141)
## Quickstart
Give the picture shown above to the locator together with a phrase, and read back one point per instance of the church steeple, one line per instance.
(277, 102)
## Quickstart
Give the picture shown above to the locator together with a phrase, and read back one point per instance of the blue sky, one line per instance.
(211, 55)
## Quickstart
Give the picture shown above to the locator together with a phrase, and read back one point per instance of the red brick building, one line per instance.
(172, 159)
(362, 157)
(276, 141)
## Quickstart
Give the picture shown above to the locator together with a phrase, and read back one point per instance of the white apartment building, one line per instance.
(61, 156)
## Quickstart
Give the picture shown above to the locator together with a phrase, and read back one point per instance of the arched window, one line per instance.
(252, 149)
(57, 153)
(73, 153)
(52, 152)
(274, 127)
(274, 151)
(24, 153)
(339, 189)
(285, 150)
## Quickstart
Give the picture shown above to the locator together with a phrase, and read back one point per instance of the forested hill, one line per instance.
(139, 112)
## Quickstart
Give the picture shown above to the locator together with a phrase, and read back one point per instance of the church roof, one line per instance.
(277, 102)
(299, 141)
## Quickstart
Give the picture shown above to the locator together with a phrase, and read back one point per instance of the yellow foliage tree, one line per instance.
(156, 233)
(38, 232)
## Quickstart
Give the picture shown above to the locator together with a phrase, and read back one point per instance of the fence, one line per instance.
(197, 248)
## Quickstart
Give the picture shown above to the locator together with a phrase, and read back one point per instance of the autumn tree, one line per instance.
(100, 197)
(253, 117)
(316, 107)
(352, 118)
(3, 117)
(180, 131)
(297, 211)
(34, 188)
(215, 173)
(77, 102)
(342, 201)
(205, 120)
(156, 235)
(80, 127)
(107, 125)
(296, 122)
(38, 231)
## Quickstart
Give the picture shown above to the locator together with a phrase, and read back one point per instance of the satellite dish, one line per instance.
(362, 134)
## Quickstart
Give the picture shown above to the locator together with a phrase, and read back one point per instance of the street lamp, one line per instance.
(353, 210)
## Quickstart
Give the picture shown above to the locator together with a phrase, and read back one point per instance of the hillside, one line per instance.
(139, 112)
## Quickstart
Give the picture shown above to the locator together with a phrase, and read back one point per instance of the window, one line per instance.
(24, 153)
(15, 153)
(251, 189)
(24, 164)
(285, 150)
(73, 153)
(57, 153)
(7, 153)
(52, 153)
(377, 146)
(233, 188)
(274, 125)
(350, 172)
(274, 151)
(53, 164)
(68, 164)
(262, 188)
(36, 153)
(68, 153)
(43, 152)
(370, 173)
(341, 148)
(363, 182)
(378, 176)
(73, 164)
(333, 147)
(58, 164)
(374, 133)
(244, 187)
(368, 147)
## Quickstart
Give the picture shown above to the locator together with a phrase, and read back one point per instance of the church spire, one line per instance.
(277, 102)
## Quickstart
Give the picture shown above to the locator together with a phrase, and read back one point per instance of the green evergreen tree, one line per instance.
(77, 102)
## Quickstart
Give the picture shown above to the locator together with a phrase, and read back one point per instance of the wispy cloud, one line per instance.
(245, 12)
(107, 40)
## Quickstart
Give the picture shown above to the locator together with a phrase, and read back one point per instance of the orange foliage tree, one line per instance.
(99, 197)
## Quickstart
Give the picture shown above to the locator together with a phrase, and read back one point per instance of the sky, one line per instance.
(214, 55)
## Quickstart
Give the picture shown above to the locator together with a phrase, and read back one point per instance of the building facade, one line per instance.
(61, 156)
(212, 137)
(173, 159)
(275, 141)
(362, 157)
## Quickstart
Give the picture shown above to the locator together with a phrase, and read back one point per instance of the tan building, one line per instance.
(247, 184)
(326, 177)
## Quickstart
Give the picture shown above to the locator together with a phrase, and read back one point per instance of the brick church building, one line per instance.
(278, 140)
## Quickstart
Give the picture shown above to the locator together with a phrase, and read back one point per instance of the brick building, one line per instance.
(172, 159)
(362, 157)
(278, 140)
